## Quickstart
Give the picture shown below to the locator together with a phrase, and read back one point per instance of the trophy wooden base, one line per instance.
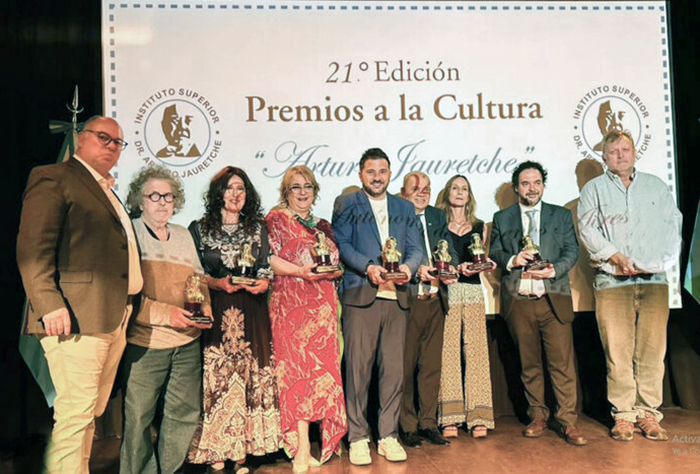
(444, 274)
(201, 319)
(393, 272)
(242, 280)
(538, 265)
(482, 267)
(447, 274)
(326, 268)
(197, 315)
(395, 276)
(443, 271)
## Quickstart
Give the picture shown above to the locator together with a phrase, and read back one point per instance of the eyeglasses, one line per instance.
(155, 197)
(296, 189)
(105, 139)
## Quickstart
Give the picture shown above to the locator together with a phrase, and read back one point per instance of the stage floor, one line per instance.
(506, 450)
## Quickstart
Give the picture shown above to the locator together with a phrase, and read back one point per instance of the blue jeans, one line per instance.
(632, 322)
(176, 376)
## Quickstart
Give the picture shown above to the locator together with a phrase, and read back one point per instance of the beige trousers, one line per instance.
(82, 369)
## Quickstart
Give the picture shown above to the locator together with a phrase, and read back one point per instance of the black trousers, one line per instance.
(422, 364)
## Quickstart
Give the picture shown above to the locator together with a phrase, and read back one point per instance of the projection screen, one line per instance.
(448, 88)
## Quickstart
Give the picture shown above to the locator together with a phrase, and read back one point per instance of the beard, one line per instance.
(530, 201)
(374, 193)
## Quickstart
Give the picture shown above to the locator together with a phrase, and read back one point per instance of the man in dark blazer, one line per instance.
(80, 268)
(426, 321)
(374, 307)
(536, 303)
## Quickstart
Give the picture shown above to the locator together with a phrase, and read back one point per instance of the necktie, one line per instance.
(532, 229)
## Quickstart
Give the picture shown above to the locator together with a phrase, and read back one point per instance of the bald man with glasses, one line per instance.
(80, 268)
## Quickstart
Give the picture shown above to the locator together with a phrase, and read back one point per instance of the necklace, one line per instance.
(309, 223)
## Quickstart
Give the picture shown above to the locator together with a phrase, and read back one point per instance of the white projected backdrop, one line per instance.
(531, 80)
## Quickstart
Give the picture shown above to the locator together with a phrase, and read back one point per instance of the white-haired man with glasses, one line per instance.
(80, 268)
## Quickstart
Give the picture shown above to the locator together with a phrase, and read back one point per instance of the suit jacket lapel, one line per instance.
(430, 223)
(83, 175)
(366, 210)
(517, 220)
(545, 223)
(391, 208)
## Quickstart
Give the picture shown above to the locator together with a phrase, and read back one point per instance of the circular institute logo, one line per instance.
(608, 108)
(178, 129)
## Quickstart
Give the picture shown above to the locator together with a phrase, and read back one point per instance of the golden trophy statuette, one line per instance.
(442, 259)
(537, 262)
(321, 254)
(390, 260)
(479, 261)
(245, 266)
(194, 299)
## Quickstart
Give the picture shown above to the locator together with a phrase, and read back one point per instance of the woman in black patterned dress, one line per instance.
(240, 413)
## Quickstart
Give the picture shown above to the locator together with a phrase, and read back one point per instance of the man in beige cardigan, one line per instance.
(80, 268)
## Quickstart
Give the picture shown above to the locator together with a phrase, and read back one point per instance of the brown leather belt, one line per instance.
(427, 296)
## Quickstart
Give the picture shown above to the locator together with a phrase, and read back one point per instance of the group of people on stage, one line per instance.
(228, 331)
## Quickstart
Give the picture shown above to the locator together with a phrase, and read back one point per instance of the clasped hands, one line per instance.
(376, 273)
(465, 268)
(307, 273)
(525, 257)
(426, 273)
(180, 318)
(224, 284)
(625, 265)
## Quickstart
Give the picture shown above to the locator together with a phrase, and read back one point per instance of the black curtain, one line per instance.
(47, 47)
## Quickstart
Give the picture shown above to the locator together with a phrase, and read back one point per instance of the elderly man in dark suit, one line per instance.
(374, 307)
(80, 268)
(536, 303)
(426, 321)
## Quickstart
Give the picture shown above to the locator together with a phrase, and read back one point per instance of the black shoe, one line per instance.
(410, 439)
(433, 436)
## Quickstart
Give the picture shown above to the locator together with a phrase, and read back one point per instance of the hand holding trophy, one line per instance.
(390, 260)
(537, 262)
(442, 259)
(194, 299)
(321, 254)
(245, 265)
(480, 262)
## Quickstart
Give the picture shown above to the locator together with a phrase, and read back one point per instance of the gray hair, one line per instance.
(133, 199)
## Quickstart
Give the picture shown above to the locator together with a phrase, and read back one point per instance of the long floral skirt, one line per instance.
(240, 413)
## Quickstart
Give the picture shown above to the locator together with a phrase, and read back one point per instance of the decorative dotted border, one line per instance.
(382, 6)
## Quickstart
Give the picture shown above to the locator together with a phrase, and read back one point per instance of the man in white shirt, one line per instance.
(374, 306)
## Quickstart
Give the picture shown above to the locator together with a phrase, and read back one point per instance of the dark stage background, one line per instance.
(47, 47)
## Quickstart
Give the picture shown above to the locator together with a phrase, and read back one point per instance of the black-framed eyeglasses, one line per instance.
(296, 189)
(155, 197)
(105, 139)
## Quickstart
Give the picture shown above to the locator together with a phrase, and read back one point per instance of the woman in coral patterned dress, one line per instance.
(240, 413)
(303, 313)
